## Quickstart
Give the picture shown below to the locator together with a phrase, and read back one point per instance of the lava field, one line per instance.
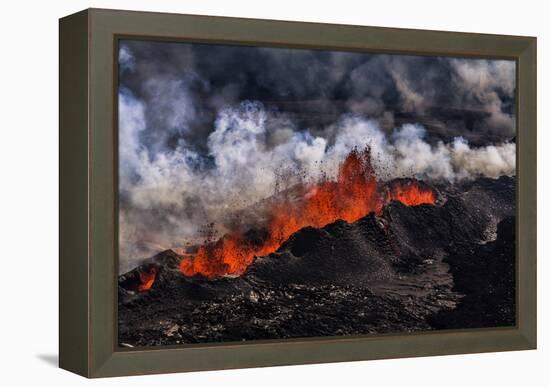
(402, 267)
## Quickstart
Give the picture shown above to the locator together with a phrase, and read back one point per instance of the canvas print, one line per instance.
(283, 193)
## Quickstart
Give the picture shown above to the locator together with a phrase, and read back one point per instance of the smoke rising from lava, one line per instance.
(206, 131)
(172, 194)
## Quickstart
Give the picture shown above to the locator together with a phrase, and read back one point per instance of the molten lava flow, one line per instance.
(147, 279)
(354, 194)
(410, 193)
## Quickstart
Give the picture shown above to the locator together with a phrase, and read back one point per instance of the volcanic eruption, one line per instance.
(355, 193)
(274, 193)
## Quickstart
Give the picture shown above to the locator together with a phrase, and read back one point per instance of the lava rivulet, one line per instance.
(146, 279)
(354, 194)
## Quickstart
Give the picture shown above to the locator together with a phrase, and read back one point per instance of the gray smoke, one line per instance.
(183, 86)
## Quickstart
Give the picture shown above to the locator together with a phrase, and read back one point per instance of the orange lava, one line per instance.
(354, 194)
(410, 193)
(147, 279)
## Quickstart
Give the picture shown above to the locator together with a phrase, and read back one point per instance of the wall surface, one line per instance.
(29, 192)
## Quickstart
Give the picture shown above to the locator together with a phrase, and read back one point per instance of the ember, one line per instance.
(354, 194)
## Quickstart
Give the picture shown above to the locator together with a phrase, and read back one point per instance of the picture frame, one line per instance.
(88, 272)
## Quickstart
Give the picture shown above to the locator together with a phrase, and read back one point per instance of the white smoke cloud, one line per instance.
(491, 161)
(406, 153)
(169, 196)
(454, 161)
(126, 59)
(413, 156)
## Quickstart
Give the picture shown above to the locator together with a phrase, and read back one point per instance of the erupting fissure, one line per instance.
(354, 194)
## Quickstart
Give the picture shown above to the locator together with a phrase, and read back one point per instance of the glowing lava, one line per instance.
(410, 193)
(147, 279)
(354, 194)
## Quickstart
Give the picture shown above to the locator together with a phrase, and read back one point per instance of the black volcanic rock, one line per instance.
(340, 253)
(161, 263)
(486, 275)
(412, 269)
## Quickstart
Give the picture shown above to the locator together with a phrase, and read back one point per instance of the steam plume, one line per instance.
(180, 191)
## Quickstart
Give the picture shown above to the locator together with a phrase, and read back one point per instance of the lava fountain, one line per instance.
(354, 194)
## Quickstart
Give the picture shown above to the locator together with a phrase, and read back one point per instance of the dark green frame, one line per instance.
(88, 176)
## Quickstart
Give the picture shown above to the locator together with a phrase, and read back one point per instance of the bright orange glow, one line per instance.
(411, 193)
(354, 194)
(147, 279)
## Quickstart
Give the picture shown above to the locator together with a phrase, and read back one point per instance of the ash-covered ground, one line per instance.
(418, 268)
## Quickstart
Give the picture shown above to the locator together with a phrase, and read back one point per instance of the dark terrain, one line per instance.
(444, 266)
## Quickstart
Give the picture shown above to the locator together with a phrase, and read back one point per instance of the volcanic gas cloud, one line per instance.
(355, 193)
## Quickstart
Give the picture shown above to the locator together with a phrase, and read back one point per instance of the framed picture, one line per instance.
(242, 193)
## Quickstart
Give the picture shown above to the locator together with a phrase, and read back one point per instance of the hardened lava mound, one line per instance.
(403, 268)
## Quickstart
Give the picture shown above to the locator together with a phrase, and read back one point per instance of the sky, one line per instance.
(207, 130)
